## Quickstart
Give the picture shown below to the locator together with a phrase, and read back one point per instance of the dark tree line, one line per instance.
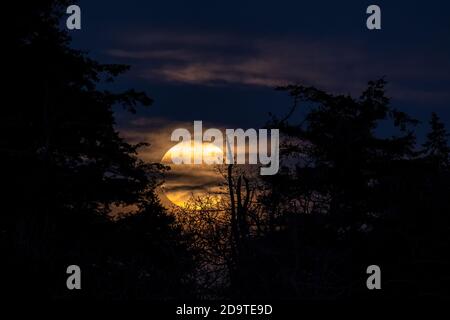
(347, 198)
(65, 166)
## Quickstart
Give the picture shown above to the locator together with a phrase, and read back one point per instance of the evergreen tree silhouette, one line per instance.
(347, 198)
(436, 146)
(65, 167)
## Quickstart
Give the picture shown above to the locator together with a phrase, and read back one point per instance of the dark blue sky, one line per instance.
(217, 61)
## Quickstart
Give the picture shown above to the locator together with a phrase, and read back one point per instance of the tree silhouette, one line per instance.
(347, 198)
(436, 146)
(66, 166)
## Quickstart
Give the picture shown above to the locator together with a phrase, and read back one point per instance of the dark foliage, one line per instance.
(347, 199)
(65, 166)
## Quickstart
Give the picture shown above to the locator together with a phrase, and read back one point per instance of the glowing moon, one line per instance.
(185, 181)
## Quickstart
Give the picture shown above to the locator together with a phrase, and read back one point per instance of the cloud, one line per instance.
(338, 65)
(217, 59)
(157, 132)
(154, 131)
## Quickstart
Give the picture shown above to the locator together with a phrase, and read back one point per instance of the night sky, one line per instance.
(218, 61)
(348, 208)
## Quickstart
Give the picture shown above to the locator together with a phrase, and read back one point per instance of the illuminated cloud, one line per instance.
(224, 59)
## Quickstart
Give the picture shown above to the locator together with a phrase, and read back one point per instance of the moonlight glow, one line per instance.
(185, 181)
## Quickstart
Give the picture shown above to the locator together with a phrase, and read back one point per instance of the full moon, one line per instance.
(187, 181)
